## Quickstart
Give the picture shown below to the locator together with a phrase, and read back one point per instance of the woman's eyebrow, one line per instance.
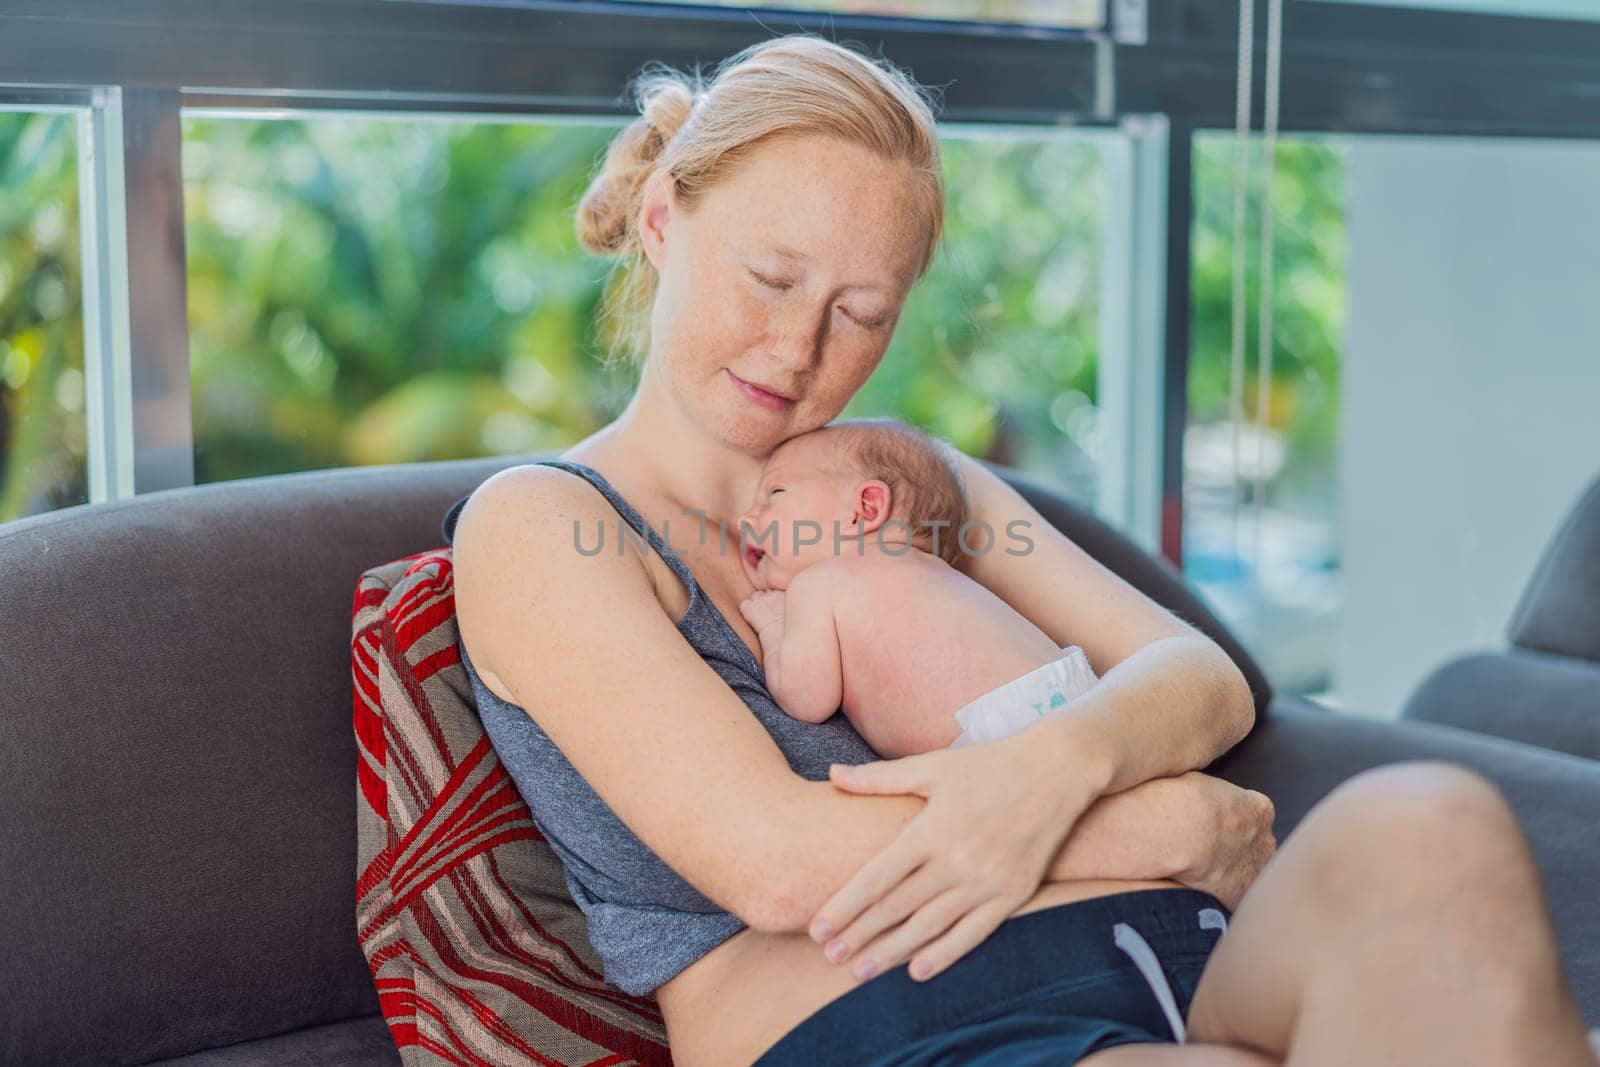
(788, 252)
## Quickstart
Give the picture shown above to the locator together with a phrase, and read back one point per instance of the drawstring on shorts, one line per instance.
(1138, 949)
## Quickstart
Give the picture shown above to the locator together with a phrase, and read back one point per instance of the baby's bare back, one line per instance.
(917, 641)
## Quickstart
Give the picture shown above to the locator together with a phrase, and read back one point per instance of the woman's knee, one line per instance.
(1422, 822)
(1424, 791)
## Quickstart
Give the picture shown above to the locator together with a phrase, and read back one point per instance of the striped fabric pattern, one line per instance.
(477, 950)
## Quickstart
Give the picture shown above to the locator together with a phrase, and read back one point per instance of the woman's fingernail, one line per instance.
(837, 951)
(864, 969)
(820, 932)
(920, 969)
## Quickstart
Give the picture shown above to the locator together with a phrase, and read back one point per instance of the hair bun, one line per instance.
(665, 101)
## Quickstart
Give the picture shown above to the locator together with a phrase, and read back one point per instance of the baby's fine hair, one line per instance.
(927, 491)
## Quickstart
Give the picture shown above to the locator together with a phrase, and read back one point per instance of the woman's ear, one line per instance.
(654, 214)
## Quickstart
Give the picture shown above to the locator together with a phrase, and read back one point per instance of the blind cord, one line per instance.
(1271, 78)
(1241, 177)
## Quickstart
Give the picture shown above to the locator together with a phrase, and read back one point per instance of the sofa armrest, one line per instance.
(1299, 752)
(1543, 699)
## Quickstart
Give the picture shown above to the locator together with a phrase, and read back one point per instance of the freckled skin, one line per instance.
(690, 438)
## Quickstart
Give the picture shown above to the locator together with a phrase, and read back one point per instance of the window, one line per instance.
(1280, 596)
(1435, 378)
(43, 444)
(369, 291)
(387, 291)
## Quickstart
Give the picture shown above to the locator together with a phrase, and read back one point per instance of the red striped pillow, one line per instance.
(477, 950)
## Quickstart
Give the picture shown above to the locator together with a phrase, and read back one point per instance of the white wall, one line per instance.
(1471, 392)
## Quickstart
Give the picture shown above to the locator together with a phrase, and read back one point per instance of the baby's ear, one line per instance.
(873, 501)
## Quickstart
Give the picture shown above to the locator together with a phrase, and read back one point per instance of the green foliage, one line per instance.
(1308, 299)
(381, 291)
(42, 431)
(376, 292)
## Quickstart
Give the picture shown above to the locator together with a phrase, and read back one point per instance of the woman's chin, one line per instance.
(755, 437)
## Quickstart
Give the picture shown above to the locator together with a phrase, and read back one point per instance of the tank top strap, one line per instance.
(702, 616)
(631, 517)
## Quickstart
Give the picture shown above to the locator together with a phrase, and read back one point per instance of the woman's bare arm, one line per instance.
(1168, 701)
(583, 643)
(1195, 829)
(585, 647)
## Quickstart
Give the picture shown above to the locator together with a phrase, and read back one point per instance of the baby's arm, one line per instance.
(799, 646)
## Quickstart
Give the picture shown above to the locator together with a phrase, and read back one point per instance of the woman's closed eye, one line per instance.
(770, 283)
(782, 285)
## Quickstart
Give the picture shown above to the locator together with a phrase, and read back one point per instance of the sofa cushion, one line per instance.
(363, 1042)
(476, 948)
(1559, 611)
(1552, 701)
(176, 861)
(1152, 575)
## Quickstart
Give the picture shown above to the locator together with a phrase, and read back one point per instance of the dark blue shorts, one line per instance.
(1048, 987)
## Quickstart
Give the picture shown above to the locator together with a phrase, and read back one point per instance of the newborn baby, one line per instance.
(850, 543)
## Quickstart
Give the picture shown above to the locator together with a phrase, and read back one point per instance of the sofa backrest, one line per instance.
(1559, 611)
(1151, 575)
(177, 856)
(1545, 688)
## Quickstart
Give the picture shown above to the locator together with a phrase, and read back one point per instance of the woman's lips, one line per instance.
(770, 401)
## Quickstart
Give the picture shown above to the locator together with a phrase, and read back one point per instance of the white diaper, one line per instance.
(1023, 701)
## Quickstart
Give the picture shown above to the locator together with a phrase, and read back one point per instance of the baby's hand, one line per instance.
(763, 608)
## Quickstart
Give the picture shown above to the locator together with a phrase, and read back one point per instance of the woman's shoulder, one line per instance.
(519, 558)
(526, 501)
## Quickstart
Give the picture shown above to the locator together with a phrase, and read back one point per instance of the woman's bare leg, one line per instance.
(1403, 922)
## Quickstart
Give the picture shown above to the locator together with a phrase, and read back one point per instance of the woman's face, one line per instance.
(779, 293)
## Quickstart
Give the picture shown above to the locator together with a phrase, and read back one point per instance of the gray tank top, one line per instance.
(645, 921)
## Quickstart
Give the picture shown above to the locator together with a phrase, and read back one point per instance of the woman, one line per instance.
(1047, 890)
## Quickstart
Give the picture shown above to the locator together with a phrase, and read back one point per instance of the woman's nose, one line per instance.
(796, 341)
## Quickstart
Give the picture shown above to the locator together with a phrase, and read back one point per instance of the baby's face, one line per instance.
(789, 525)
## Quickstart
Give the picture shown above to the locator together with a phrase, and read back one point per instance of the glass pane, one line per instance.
(1281, 596)
(43, 443)
(1470, 391)
(1432, 413)
(369, 292)
(385, 291)
(997, 349)
(1073, 14)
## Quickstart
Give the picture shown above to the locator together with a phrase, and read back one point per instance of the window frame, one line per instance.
(133, 67)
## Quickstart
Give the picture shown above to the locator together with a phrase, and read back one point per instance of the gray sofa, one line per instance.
(177, 853)
(1544, 687)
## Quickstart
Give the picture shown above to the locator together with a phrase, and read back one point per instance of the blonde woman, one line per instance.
(1065, 895)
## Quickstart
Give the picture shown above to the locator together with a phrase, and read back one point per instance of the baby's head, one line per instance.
(877, 477)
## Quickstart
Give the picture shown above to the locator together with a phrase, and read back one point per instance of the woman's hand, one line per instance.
(1233, 839)
(976, 852)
